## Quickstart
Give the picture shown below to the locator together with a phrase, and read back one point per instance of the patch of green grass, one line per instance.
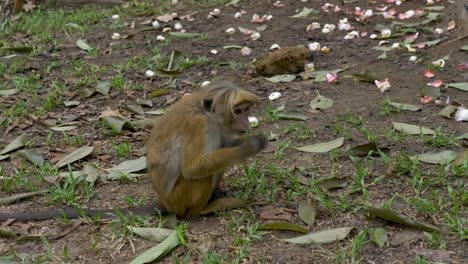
(123, 149)
(440, 139)
(301, 131)
(280, 148)
(77, 140)
(42, 25)
(72, 190)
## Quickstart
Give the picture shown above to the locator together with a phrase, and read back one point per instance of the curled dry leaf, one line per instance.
(307, 211)
(323, 147)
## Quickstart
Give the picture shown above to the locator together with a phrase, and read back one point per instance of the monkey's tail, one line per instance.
(72, 213)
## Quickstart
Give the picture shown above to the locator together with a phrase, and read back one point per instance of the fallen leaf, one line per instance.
(406, 107)
(307, 210)
(9, 92)
(184, 35)
(321, 102)
(322, 236)
(117, 123)
(292, 115)
(158, 251)
(323, 147)
(103, 88)
(17, 143)
(285, 226)
(363, 150)
(282, 78)
(82, 45)
(332, 183)
(443, 157)
(460, 86)
(393, 216)
(305, 12)
(448, 111)
(277, 214)
(31, 156)
(156, 234)
(462, 158)
(74, 156)
(378, 236)
(365, 76)
(412, 129)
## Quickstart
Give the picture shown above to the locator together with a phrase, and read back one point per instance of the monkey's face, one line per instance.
(240, 117)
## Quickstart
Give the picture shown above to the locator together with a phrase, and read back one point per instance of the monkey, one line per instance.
(192, 145)
(188, 150)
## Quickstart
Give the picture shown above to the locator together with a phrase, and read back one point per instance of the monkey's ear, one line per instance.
(207, 104)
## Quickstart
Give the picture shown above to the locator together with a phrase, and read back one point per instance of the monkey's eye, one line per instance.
(237, 111)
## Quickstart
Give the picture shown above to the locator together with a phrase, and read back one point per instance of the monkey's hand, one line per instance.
(253, 145)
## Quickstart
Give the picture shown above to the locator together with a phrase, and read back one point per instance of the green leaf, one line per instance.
(322, 236)
(156, 234)
(158, 92)
(406, 107)
(460, 86)
(144, 102)
(432, 42)
(74, 156)
(432, 91)
(282, 78)
(286, 226)
(158, 251)
(9, 92)
(391, 215)
(365, 76)
(321, 102)
(103, 88)
(20, 49)
(305, 12)
(464, 48)
(184, 35)
(83, 45)
(17, 143)
(412, 129)
(333, 183)
(378, 236)
(307, 211)
(362, 150)
(71, 103)
(167, 74)
(292, 115)
(323, 147)
(443, 157)
(233, 3)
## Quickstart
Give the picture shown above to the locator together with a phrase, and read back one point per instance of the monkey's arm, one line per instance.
(206, 165)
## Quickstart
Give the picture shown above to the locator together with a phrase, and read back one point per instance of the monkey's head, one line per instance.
(229, 103)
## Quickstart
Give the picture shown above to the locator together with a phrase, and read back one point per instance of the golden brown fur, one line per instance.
(192, 145)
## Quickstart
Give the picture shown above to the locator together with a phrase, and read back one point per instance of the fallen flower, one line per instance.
(253, 121)
(351, 35)
(245, 51)
(273, 96)
(429, 73)
(205, 83)
(278, 4)
(115, 36)
(461, 114)
(230, 30)
(383, 85)
(438, 31)
(440, 63)
(313, 47)
(115, 17)
(155, 24)
(386, 33)
(275, 47)
(436, 83)
(309, 67)
(331, 77)
(451, 25)
(462, 67)
(426, 99)
(413, 58)
(149, 73)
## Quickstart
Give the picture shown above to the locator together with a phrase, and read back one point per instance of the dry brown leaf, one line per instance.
(277, 213)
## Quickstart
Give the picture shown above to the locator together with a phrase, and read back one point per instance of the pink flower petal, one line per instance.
(331, 77)
(426, 99)
(436, 83)
(462, 67)
(421, 45)
(451, 25)
(413, 36)
(401, 16)
(429, 73)
(390, 1)
(363, 34)
(381, 9)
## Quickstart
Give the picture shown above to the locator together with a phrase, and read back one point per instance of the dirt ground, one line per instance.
(359, 107)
